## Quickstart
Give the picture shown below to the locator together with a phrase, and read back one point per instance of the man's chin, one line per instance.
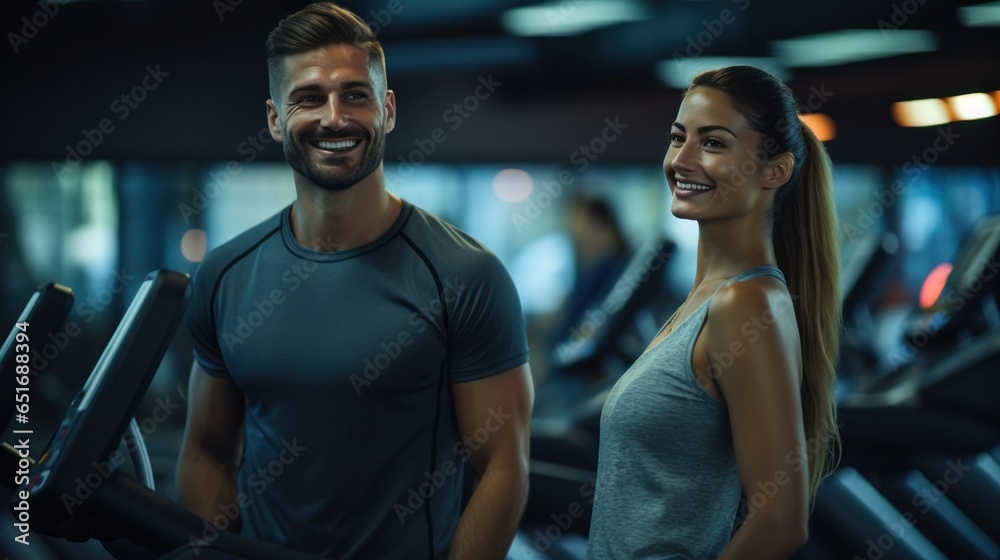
(329, 182)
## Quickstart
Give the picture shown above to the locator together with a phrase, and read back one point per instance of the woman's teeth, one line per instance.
(693, 186)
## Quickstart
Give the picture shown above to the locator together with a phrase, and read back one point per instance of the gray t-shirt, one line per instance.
(346, 361)
(667, 482)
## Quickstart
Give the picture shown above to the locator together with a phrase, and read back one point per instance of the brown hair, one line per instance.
(318, 25)
(806, 245)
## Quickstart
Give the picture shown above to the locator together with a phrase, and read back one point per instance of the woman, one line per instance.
(735, 395)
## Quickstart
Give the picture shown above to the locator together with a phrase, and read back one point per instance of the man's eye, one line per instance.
(356, 95)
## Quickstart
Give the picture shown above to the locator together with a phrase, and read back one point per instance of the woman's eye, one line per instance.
(677, 138)
(714, 143)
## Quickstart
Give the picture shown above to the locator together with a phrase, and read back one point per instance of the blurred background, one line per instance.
(135, 140)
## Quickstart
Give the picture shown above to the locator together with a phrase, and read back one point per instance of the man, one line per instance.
(354, 351)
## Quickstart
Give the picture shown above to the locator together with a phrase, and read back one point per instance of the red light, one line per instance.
(934, 284)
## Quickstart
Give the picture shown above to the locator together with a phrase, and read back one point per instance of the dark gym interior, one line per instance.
(135, 141)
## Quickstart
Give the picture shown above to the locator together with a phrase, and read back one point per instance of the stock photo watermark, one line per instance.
(219, 180)
(86, 312)
(257, 481)
(582, 158)
(597, 317)
(86, 486)
(122, 106)
(419, 321)
(418, 495)
(32, 25)
(957, 297)
(456, 115)
(898, 17)
(918, 164)
(922, 500)
(714, 28)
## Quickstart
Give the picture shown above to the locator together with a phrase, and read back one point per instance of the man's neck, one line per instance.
(330, 221)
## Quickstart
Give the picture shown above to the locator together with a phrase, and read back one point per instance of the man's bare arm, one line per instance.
(501, 406)
(212, 447)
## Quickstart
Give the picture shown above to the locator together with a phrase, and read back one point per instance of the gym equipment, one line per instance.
(864, 279)
(44, 315)
(601, 334)
(851, 504)
(99, 414)
(80, 453)
(948, 344)
(938, 404)
(927, 506)
(940, 400)
(565, 428)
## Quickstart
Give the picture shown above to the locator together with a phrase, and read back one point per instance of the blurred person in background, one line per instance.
(600, 254)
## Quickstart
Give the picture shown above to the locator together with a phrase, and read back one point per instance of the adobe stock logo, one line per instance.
(30, 26)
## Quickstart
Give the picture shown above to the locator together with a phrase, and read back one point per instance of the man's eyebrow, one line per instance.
(353, 84)
(357, 84)
(304, 88)
(706, 129)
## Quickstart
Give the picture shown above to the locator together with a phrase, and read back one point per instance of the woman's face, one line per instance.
(711, 165)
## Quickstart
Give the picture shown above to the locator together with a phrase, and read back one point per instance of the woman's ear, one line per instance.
(778, 170)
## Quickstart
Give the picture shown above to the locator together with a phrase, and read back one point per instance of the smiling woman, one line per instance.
(721, 411)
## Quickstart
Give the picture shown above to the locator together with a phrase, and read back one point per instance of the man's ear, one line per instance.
(778, 170)
(273, 123)
(390, 111)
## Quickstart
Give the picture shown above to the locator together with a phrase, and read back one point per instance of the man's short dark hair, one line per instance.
(318, 25)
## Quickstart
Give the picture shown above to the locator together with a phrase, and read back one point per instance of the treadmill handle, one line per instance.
(154, 522)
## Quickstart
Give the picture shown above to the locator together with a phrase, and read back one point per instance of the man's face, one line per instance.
(332, 116)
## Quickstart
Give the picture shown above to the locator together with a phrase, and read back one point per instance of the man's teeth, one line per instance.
(693, 187)
(343, 145)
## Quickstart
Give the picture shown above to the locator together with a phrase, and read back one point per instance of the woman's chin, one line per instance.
(682, 211)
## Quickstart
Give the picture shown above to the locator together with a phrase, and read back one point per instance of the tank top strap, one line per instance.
(766, 270)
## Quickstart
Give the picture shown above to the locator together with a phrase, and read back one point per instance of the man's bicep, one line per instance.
(486, 326)
(495, 413)
(215, 414)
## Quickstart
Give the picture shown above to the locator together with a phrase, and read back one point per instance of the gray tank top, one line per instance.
(667, 481)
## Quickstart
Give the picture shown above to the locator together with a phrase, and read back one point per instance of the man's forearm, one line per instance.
(490, 520)
(208, 489)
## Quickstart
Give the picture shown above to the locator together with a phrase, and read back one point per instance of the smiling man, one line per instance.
(353, 351)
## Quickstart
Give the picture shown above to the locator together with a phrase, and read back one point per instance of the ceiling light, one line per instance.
(972, 106)
(921, 112)
(851, 45)
(569, 18)
(678, 72)
(980, 15)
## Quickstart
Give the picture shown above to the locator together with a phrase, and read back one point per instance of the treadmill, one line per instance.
(74, 491)
(906, 427)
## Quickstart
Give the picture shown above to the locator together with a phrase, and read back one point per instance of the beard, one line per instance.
(335, 174)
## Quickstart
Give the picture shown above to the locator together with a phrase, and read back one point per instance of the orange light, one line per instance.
(934, 285)
(821, 125)
(194, 245)
(921, 112)
(972, 106)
